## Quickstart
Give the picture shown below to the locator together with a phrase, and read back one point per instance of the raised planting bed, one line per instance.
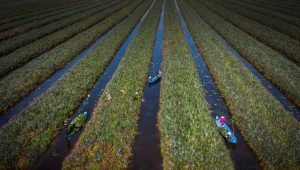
(281, 26)
(281, 9)
(283, 17)
(275, 67)
(28, 52)
(22, 143)
(21, 26)
(270, 130)
(41, 68)
(14, 13)
(24, 39)
(16, 37)
(109, 135)
(189, 138)
(268, 36)
(284, 4)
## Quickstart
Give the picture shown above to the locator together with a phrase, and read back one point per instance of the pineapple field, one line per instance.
(149, 84)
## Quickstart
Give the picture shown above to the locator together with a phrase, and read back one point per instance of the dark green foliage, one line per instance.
(22, 81)
(189, 137)
(270, 130)
(275, 67)
(26, 136)
(104, 145)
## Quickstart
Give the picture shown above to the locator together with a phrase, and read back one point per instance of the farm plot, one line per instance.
(279, 25)
(147, 139)
(75, 20)
(255, 111)
(9, 15)
(89, 102)
(28, 52)
(184, 120)
(112, 147)
(47, 113)
(270, 37)
(283, 17)
(285, 4)
(49, 62)
(278, 69)
(281, 9)
(21, 26)
(228, 58)
(241, 156)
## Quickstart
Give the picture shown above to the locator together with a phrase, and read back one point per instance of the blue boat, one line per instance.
(152, 80)
(226, 131)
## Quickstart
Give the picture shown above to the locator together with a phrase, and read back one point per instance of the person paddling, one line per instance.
(222, 120)
(154, 79)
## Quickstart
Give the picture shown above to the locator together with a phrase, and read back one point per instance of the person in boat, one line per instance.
(228, 134)
(156, 78)
(222, 120)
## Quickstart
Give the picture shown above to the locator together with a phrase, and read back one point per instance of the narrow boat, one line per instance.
(76, 124)
(226, 131)
(152, 80)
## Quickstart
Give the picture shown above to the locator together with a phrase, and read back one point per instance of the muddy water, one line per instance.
(54, 156)
(242, 156)
(146, 148)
